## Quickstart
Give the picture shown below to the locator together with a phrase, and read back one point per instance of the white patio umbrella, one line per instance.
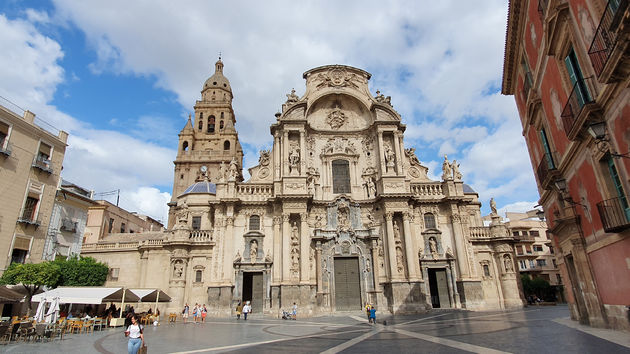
(39, 315)
(53, 311)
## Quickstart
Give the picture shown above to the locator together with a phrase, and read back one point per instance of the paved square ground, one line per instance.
(531, 330)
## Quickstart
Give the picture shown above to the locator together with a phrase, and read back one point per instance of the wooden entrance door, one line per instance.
(347, 284)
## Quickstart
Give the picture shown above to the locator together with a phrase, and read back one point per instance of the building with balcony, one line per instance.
(105, 218)
(30, 164)
(68, 221)
(567, 64)
(338, 213)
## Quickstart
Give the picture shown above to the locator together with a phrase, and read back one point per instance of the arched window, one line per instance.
(486, 270)
(254, 222)
(185, 146)
(198, 276)
(221, 115)
(221, 125)
(200, 124)
(211, 124)
(226, 145)
(429, 221)
(341, 176)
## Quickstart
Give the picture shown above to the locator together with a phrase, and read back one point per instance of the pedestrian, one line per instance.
(372, 318)
(195, 312)
(136, 337)
(185, 313)
(294, 311)
(204, 312)
(239, 310)
(246, 309)
(367, 310)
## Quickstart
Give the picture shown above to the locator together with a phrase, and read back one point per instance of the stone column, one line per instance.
(285, 153)
(305, 248)
(375, 264)
(228, 253)
(399, 152)
(586, 283)
(391, 246)
(286, 256)
(302, 153)
(460, 245)
(381, 152)
(277, 250)
(318, 266)
(277, 158)
(410, 247)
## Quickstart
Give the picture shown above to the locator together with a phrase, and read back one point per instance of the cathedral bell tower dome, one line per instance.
(217, 86)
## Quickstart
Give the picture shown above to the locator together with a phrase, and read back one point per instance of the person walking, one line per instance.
(204, 312)
(185, 313)
(372, 318)
(195, 312)
(246, 309)
(294, 311)
(239, 310)
(367, 310)
(136, 337)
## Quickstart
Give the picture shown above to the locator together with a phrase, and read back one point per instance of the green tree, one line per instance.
(32, 277)
(81, 271)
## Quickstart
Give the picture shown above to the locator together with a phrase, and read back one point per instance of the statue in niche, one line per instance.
(507, 262)
(370, 187)
(447, 173)
(399, 260)
(294, 160)
(493, 206)
(310, 185)
(457, 176)
(222, 172)
(233, 170)
(343, 222)
(319, 219)
(433, 247)
(253, 251)
(295, 234)
(370, 217)
(178, 269)
(397, 233)
(390, 157)
(295, 260)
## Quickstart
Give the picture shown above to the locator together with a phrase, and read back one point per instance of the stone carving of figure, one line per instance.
(294, 160)
(268, 257)
(253, 251)
(233, 170)
(396, 232)
(263, 160)
(295, 259)
(292, 97)
(222, 172)
(399, 260)
(447, 173)
(329, 147)
(237, 258)
(380, 98)
(433, 246)
(411, 153)
(507, 261)
(310, 184)
(457, 176)
(370, 218)
(390, 157)
(295, 234)
(370, 186)
(493, 206)
(343, 223)
(178, 269)
(319, 221)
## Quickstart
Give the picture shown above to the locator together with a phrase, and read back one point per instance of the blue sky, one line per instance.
(121, 77)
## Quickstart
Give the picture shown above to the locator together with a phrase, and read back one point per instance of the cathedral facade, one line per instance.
(336, 214)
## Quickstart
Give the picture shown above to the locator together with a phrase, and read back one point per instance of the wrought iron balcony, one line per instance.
(43, 165)
(547, 170)
(580, 97)
(29, 221)
(5, 150)
(615, 214)
(606, 37)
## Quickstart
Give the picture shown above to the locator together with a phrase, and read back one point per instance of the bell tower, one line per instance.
(209, 138)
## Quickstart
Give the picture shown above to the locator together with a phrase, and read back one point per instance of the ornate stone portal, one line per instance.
(338, 213)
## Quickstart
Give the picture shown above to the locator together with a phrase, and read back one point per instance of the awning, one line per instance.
(7, 295)
(86, 295)
(151, 295)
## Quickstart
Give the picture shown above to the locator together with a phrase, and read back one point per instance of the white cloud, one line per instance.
(517, 207)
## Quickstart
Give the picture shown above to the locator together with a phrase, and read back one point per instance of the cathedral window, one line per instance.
(221, 125)
(486, 270)
(341, 176)
(254, 222)
(196, 222)
(201, 121)
(429, 221)
(198, 276)
(226, 145)
(221, 115)
(211, 124)
(185, 146)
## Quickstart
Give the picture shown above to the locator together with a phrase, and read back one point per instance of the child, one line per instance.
(373, 314)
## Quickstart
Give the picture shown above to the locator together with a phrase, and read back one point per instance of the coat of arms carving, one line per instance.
(336, 119)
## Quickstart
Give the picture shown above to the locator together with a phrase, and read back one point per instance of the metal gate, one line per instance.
(347, 286)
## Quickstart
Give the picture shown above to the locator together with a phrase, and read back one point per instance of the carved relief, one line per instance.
(336, 119)
(337, 77)
(264, 158)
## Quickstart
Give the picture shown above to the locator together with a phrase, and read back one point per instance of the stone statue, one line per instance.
(233, 170)
(493, 206)
(263, 160)
(295, 234)
(370, 218)
(253, 251)
(318, 221)
(447, 173)
(222, 172)
(370, 186)
(507, 261)
(396, 232)
(411, 154)
(292, 97)
(390, 157)
(178, 269)
(399, 260)
(310, 185)
(294, 160)
(433, 246)
(457, 176)
(268, 257)
(237, 258)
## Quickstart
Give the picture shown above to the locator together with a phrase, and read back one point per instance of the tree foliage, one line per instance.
(81, 271)
(31, 276)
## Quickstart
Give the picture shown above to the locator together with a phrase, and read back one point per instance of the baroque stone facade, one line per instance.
(338, 213)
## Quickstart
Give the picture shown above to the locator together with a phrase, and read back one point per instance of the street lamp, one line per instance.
(541, 215)
(598, 131)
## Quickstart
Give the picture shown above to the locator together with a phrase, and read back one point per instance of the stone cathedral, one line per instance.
(338, 213)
